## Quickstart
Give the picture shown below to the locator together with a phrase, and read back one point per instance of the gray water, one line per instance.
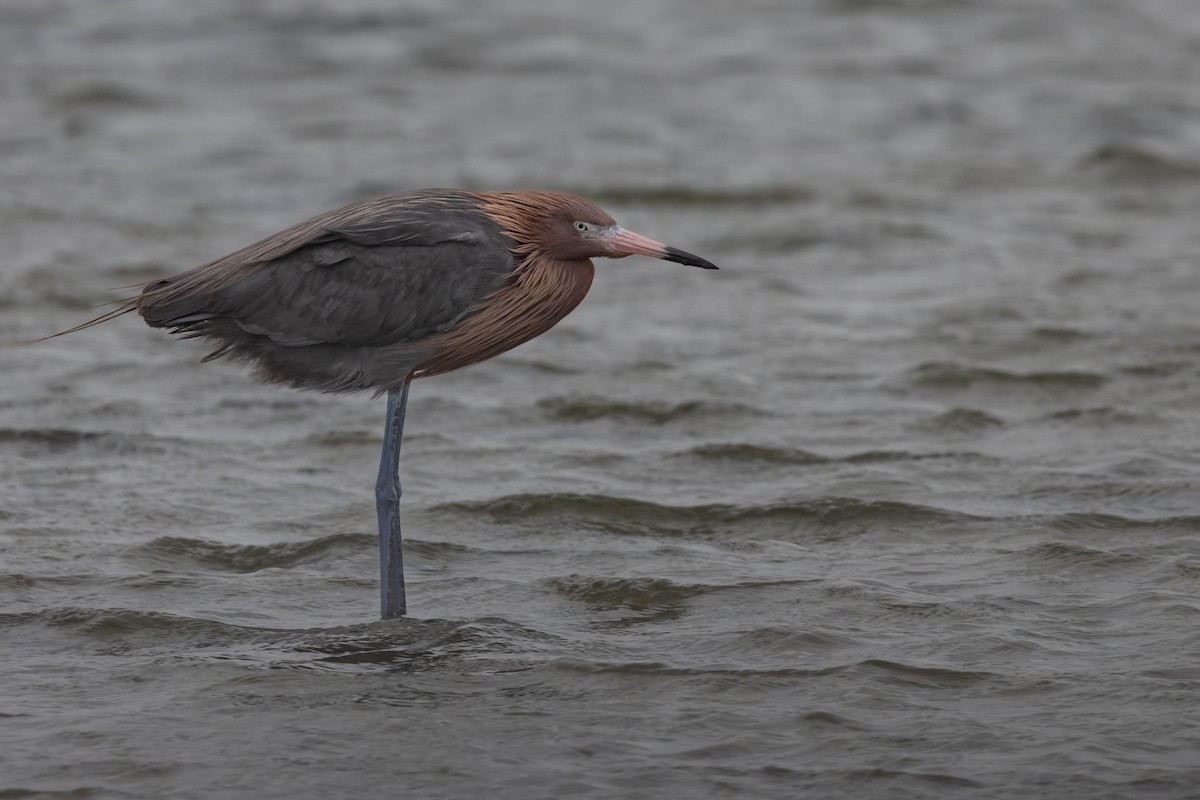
(900, 503)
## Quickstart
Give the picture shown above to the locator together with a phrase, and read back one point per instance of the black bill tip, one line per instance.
(680, 257)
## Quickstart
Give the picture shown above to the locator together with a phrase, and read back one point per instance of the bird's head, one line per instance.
(568, 228)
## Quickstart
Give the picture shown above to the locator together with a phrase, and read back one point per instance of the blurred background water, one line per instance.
(900, 503)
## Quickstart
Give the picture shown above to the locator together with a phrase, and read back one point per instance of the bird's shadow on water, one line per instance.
(486, 644)
(409, 645)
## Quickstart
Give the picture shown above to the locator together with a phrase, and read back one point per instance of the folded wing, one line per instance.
(389, 271)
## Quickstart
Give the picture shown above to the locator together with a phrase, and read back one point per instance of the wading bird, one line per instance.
(373, 295)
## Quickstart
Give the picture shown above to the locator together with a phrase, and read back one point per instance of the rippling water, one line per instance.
(900, 503)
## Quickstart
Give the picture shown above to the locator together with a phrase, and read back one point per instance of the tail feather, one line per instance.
(163, 304)
(124, 308)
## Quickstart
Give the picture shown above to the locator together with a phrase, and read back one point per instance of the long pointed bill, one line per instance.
(629, 243)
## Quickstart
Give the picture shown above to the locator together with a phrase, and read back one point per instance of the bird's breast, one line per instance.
(542, 291)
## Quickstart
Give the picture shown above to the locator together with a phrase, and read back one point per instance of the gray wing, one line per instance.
(394, 270)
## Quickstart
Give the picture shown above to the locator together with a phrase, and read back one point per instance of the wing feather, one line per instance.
(388, 271)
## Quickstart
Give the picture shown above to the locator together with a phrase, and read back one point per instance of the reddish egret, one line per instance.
(380, 292)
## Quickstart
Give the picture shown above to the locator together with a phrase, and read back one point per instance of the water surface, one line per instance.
(902, 502)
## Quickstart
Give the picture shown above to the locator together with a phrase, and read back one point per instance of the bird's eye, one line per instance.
(582, 227)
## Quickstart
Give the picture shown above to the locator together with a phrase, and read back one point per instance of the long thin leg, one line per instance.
(387, 503)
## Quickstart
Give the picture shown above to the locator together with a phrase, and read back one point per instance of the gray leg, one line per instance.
(387, 503)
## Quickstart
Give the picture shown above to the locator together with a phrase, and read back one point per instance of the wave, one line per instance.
(775, 641)
(959, 420)
(411, 645)
(107, 623)
(395, 645)
(1093, 522)
(925, 676)
(587, 409)
(178, 552)
(948, 376)
(744, 453)
(1105, 416)
(629, 516)
(1076, 555)
(1137, 164)
(637, 594)
(887, 671)
(52, 440)
(50, 436)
